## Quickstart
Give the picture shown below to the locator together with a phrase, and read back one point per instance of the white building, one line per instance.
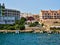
(8, 16)
(26, 15)
(7, 20)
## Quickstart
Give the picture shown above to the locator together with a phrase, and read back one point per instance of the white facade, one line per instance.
(12, 13)
(26, 15)
(8, 16)
(7, 20)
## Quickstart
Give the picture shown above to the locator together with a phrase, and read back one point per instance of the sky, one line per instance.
(32, 6)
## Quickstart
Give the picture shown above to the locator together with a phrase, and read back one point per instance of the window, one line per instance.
(43, 17)
(48, 13)
(54, 13)
(55, 17)
(12, 20)
(45, 13)
(57, 14)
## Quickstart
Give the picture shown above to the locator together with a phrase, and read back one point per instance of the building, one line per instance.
(9, 12)
(30, 20)
(26, 15)
(8, 16)
(49, 17)
(50, 14)
(12, 13)
(7, 20)
(36, 17)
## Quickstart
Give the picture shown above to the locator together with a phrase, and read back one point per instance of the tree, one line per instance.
(16, 26)
(17, 22)
(23, 18)
(21, 21)
(36, 23)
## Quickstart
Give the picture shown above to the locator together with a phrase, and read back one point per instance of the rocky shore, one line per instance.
(29, 31)
(14, 31)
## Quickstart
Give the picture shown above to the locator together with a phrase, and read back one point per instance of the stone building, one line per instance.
(49, 17)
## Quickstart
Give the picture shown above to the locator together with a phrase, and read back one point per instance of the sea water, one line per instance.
(29, 39)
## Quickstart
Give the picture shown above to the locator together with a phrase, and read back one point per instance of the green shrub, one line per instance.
(54, 28)
(1, 27)
(16, 26)
(19, 25)
(11, 28)
(42, 24)
(36, 23)
(32, 25)
(6, 27)
(22, 27)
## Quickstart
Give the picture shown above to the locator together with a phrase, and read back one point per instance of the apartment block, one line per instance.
(50, 18)
(50, 14)
(10, 14)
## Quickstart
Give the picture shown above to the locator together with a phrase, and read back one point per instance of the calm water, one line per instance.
(29, 39)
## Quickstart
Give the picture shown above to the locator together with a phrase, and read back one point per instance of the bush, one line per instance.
(22, 27)
(19, 25)
(1, 27)
(42, 24)
(17, 22)
(32, 25)
(11, 28)
(54, 28)
(6, 27)
(36, 23)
